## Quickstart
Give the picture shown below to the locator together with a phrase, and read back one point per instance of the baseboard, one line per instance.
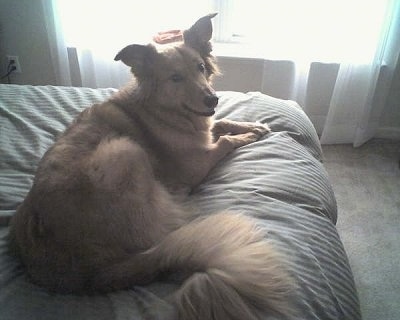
(392, 133)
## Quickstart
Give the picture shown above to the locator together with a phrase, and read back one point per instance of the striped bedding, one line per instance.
(278, 180)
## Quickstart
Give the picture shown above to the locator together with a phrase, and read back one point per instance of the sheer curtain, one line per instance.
(88, 34)
(359, 95)
(357, 41)
(336, 58)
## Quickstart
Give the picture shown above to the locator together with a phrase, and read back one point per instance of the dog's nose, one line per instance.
(211, 101)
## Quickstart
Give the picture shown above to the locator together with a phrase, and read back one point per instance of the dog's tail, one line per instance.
(236, 272)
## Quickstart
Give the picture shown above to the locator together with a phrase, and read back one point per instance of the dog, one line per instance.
(103, 214)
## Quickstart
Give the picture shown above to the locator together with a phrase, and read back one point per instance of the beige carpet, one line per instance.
(366, 181)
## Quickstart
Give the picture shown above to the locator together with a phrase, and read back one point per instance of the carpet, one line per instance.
(366, 181)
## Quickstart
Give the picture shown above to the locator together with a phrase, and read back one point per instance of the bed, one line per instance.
(279, 180)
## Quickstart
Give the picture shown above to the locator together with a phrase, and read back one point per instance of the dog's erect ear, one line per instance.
(139, 57)
(199, 35)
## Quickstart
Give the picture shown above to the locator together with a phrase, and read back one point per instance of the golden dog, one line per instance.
(101, 214)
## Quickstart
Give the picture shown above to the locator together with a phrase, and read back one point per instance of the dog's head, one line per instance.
(177, 76)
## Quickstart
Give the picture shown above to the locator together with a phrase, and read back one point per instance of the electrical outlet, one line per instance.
(13, 61)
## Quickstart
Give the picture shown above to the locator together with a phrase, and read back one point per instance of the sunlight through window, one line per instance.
(107, 26)
(339, 30)
(309, 30)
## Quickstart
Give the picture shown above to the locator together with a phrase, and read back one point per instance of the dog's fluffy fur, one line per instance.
(101, 214)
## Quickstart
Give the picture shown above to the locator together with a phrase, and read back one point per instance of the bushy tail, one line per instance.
(239, 275)
(236, 274)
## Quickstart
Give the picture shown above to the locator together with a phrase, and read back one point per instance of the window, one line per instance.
(105, 25)
(331, 30)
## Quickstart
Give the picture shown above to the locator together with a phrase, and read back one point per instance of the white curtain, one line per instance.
(336, 58)
(359, 95)
(86, 35)
(344, 103)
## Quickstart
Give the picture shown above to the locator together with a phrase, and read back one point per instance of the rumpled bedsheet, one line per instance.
(279, 180)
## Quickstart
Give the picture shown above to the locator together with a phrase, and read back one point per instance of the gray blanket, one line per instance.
(278, 180)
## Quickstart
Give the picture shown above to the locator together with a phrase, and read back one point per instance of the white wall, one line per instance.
(239, 74)
(23, 34)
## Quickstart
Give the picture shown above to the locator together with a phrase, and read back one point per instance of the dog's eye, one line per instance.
(176, 77)
(202, 67)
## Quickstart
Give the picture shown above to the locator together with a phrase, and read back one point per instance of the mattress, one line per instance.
(279, 180)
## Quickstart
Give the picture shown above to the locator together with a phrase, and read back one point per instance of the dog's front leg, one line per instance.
(200, 160)
(199, 163)
(227, 143)
(228, 127)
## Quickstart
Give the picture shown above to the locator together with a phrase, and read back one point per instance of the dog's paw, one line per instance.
(245, 133)
(240, 140)
(260, 129)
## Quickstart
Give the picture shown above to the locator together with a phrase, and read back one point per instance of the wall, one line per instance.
(23, 33)
(239, 74)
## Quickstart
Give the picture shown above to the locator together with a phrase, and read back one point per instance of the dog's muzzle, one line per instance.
(210, 101)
